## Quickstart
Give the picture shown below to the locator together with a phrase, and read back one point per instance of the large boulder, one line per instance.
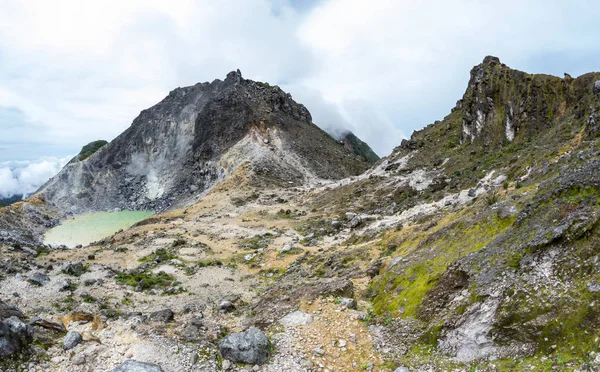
(165, 315)
(250, 347)
(131, 365)
(14, 336)
(597, 87)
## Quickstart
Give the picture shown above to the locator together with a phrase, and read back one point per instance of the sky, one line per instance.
(75, 71)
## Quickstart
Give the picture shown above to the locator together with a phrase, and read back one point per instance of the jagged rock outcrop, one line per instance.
(194, 138)
(501, 103)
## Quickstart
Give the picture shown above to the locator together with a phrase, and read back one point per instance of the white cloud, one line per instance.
(25, 177)
(80, 71)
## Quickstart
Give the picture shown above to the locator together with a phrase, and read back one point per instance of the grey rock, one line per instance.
(76, 269)
(507, 211)
(226, 306)
(250, 347)
(296, 318)
(226, 365)
(350, 215)
(472, 193)
(401, 369)
(38, 279)
(165, 315)
(593, 287)
(348, 303)
(72, 339)
(395, 261)
(286, 248)
(14, 336)
(7, 311)
(305, 363)
(78, 359)
(135, 366)
(354, 222)
(596, 88)
(318, 351)
(48, 324)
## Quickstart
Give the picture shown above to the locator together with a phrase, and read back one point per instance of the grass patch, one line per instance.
(256, 242)
(158, 256)
(145, 280)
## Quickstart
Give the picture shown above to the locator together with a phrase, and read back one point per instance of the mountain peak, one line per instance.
(234, 77)
(196, 137)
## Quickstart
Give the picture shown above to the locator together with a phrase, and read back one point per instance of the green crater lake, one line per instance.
(92, 227)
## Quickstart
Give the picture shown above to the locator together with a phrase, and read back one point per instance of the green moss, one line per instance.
(406, 290)
(145, 280)
(88, 299)
(160, 255)
(256, 242)
(432, 335)
(292, 251)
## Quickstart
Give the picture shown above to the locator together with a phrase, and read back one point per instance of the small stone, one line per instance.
(286, 248)
(226, 306)
(507, 211)
(78, 359)
(72, 339)
(348, 303)
(165, 315)
(472, 193)
(296, 318)
(226, 365)
(342, 343)
(76, 269)
(355, 222)
(593, 287)
(305, 363)
(318, 351)
(38, 279)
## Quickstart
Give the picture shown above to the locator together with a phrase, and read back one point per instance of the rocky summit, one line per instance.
(274, 246)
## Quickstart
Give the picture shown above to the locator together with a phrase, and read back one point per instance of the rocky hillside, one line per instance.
(196, 137)
(474, 246)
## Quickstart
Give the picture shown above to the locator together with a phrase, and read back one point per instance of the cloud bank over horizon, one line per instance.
(25, 177)
(74, 72)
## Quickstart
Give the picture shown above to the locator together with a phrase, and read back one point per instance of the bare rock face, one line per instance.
(192, 140)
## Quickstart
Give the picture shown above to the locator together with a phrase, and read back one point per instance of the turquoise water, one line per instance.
(92, 227)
